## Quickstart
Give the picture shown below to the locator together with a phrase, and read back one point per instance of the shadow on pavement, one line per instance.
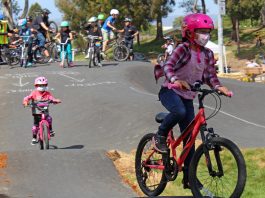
(172, 197)
(69, 147)
(4, 196)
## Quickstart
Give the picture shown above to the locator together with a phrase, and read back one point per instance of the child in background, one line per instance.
(63, 35)
(169, 46)
(39, 94)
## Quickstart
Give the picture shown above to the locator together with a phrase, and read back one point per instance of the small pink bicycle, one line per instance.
(43, 134)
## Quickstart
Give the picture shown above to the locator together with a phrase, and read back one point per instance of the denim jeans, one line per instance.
(181, 111)
(41, 39)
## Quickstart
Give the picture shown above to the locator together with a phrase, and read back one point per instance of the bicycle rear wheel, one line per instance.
(39, 55)
(121, 53)
(228, 175)
(151, 181)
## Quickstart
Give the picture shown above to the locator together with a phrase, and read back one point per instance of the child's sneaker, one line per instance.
(160, 143)
(34, 141)
(29, 64)
(52, 133)
(71, 64)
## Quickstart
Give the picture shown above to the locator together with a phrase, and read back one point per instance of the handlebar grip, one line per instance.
(230, 94)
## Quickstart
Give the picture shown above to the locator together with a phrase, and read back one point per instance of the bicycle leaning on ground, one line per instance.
(217, 168)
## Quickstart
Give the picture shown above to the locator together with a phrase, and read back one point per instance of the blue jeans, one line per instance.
(181, 111)
(41, 39)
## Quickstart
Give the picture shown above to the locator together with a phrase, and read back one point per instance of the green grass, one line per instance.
(255, 186)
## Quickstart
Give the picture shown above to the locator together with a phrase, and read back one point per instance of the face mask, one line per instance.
(42, 89)
(202, 39)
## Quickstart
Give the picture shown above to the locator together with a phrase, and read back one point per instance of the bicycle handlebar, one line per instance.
(65, 41)
(91, 37)
(197, 88)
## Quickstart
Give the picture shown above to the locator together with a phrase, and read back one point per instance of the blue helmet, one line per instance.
(22, 22)
(2, 16)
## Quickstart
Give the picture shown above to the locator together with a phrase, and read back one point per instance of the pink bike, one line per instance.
(43, 134)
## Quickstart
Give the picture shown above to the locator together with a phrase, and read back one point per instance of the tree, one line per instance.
(189, 6)
(10, 8)
(34, 10)
(178, 21)
(159, 9)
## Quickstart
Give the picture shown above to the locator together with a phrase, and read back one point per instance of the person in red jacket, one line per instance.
(41, 93)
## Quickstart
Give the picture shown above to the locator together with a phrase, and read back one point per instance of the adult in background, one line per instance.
(41, 25)
(5, 32)
(108, 28)
(130, 32)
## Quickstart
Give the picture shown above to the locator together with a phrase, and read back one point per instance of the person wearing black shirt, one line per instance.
(130, 32)
(41, 25)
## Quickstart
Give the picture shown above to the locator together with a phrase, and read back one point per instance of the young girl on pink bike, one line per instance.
(189, 62)
(39, 94)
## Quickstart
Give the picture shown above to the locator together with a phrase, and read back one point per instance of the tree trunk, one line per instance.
(203, 7)
(194, 9)
(7, 9)
(25, 10)
(262, 15)
(233, 33)
(159, 27)
(237, 36)
(138, 39)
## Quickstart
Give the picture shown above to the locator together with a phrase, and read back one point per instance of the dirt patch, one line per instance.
(125, 165)
(3, 160)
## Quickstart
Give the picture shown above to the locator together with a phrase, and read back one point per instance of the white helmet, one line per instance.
(93, 19)
(114, 11)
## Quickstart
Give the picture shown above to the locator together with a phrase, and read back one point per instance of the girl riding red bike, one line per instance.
(190, 62)
(40, 94)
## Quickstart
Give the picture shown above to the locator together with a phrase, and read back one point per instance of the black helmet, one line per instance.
(29, 18)
(168, 38)
(45, 10)
(127, 19)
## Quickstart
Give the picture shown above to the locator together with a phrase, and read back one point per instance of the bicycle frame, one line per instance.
(64, 54)
(193, 129)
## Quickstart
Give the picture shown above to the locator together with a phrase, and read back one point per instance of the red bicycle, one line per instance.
(43, 134)
(217, 168)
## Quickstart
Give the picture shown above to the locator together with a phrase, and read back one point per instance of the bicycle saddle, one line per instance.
(160, 117)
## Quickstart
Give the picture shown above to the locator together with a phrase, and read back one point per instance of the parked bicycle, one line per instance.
(217, 168)
(43, 134)
(94, 50)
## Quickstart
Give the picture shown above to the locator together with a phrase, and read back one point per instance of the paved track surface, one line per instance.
(103, 108)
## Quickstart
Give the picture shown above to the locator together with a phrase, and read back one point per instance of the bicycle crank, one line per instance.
(171, 169)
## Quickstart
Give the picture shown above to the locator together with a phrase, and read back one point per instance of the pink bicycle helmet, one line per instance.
(41, 81)
(192, 22)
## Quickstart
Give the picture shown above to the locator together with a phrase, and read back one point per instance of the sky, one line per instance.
(57, 16)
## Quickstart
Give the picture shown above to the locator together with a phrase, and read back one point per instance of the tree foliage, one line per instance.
(178, 21)
(142, 11)
(34, 10)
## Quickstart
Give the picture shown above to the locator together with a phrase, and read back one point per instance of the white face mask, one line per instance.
(42, 89)
(202, 38)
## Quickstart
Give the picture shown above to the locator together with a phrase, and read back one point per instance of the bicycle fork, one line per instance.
(207, 145)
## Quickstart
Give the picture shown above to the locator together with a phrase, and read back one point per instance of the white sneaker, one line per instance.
(50, 60)
(87, 56)
(34, 141)
(99, 64)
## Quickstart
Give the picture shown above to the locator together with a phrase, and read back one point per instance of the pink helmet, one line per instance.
(41, 81)
(192, 22)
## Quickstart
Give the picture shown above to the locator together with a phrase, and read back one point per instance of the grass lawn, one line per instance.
(255, 186)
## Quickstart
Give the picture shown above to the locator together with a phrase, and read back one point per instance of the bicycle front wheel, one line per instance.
(228, 175)
(151, 181)
(121, 53)
(45, 139)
